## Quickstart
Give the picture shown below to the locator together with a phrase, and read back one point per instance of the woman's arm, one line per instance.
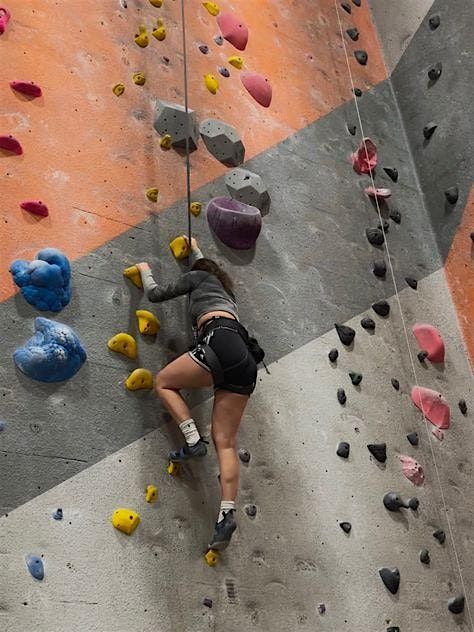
(156, 293)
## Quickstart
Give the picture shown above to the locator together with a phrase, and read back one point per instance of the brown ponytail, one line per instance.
(208, 265)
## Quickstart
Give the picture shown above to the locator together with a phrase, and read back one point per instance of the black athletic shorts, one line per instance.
(226, 338)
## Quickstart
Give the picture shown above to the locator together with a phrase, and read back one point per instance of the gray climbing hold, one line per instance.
(356, 2)
(434, 22)
(352, 129)
(391, 579)
(411, 282)
(439, 535)
(361, 56)
(367, 323)
(382, 308)
(413, 438)
(378, 451)
(58, 514)
(223, 142)
(223, 71)
(395, 216)
(456, 604)
(248, 187)
(429, 130)
(207, 602)
(424, 556)
(380, 268)
(393, 502)
(219, 40)
(353, 33)
(346, 334)
(341, 396)
(434, 73)
(343, 450)
(392, 173)
(357, 92)
(244, 455)
(374, 236)
(204, 49)
(321, 608)
(395, 383)
(345, 526)
(171, 118)
(356, 378)
(346, 6)
(413, 503)
(462, 406)
(422, 355)
(333, 355)
(251, 510)
(35, 566)
(452, 195)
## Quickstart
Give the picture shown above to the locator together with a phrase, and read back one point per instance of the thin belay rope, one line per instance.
(410, 354)
(187, 125)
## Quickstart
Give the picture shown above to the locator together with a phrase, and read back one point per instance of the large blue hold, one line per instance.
(53, 354)
(44, 282)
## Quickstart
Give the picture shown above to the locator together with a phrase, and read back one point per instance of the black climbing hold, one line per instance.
(393, 628)
(386, 225)
(380, 269)
(424, 556)
(422, 355)
(346, 6)
(392, 173)
(333, 355)
(345, 526)
(472, 236)
(356, 378)
(395, 383)
(462, 406)
(413, 438)
(207, 602)
(219, 40)
(58, 514)
(244, 455)
(223, 71)
(361, 57)
(378, 451)
(346, 334)
(343, 450)
(429, 129)
(393, 502)
(356, 2)
(452, 195)
(456, 604)
(351, 129)
(396, 216)
(353, 33)
(341, 396)
(440, 535)
(321, 608)
(391, 578)
(357, 92)
(204, 49)
(367, 323)
(413, 283)
(375, 236)
(382, 308)
(165, 59)
(251, 510)
(435, 71)
(434, 21)
(413, 503)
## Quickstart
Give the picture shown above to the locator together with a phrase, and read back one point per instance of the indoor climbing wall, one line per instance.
(355, 505)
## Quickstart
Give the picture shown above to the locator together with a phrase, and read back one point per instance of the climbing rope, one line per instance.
(405, 330)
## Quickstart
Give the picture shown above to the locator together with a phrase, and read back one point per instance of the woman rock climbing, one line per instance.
(223, 357)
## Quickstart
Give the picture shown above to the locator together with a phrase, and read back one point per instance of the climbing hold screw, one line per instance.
(321, 608)
(429, 130)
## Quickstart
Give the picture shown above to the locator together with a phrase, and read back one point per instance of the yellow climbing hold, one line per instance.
(179, 247)
(139, 379)
(159, 22)
(141, 38)
(152, 194)
(166, 142)
(211, 83)
(123, 343)
(159, 33)
(212, 557)
(195, 208)
(151, 494)
(139, 78)
(125, 520)
(118, 89)
(236, 61)
(148, 323)
(173, 468)
(212, 7)
(156, 3)
(133, 274)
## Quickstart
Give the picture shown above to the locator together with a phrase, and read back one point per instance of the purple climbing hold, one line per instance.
(352, 129)
(204, 49)
(341, 396)
(353, 33)
(223, 71)
(391, 579)
(456, 604)
(440, 535)
(413, 283)
(346, 6)
(413, 438)
(380, 268)
(244, 455)
(424, 556)
(392, 173)
(236, 224)
(434, 22)
(395, 216)
(343, 450)
(375, 236)
(356, 378)
(35, 566)
(361, 56)
(429, 129)
(346, 334)
(378, 451)
(368, 323)
(395, 383)
(333, 355)
(58, 514)
(345, 526)
(452, 195)
(434, 73)
(462, 406)
(393, 502)
(382, 308)
(207, 602)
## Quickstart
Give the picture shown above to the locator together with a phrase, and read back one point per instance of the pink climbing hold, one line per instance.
(439, 434)
(36, 207)
(233, 30)
(26, 87)
(429, 339)
(412, 470)
(10, 144)
(383, 194)
(365, 160)
(4, 19)
(258, 87)
(433, 405)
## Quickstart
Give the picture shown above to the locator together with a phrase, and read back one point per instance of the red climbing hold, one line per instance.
(26, 87)
(433, 405)
(412, 470)
(233, 30)
(364, 160)
(4, 19)
(258, 87)
(36, 207)
(10, 144)
(383, 194)
(429, 339)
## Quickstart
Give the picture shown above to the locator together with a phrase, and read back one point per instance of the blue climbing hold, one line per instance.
(53, 354)
(35, 566)
(58, 514)
(44, 282)
(223, 71)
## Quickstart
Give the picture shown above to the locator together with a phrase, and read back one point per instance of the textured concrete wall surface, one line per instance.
(88, 445)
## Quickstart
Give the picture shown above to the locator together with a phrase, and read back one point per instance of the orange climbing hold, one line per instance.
(429, 340)
(433, 406)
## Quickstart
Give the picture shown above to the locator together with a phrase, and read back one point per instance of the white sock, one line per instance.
(191, 433)
(226, 506)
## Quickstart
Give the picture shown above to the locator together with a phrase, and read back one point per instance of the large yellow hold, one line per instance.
(211, 7)
(148, 323)
(123, 343)
(179, 247)
(139, 379)
(159, 33)
(211, 83)
(236, 61)
(133, 274)
(151, 494)
(125, 520)
(141, 38)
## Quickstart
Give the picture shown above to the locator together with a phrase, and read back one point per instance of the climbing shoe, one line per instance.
(187, 452)
(223, 531)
